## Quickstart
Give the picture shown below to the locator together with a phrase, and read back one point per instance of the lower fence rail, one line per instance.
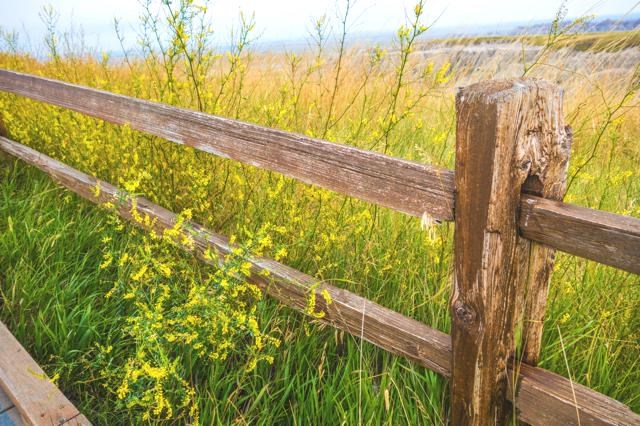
(539, 396)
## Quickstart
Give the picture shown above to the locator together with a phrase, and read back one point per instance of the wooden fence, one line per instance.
(512, 151)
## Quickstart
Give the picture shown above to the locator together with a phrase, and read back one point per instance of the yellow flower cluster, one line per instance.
(176, 308)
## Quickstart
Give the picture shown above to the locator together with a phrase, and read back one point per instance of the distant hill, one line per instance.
(481, 33)
(596, 26)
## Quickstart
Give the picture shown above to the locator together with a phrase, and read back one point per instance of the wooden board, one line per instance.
(37, 399)
(565, 403)
(605, 237)
(387, 329)
(402, 185)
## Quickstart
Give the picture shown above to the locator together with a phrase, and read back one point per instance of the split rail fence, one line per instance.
(512, 153)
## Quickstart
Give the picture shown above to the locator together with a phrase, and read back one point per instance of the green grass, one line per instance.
(53, 301)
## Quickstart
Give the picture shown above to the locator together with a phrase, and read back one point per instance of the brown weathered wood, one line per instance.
(506, 131)
(605, 237)
(403, 185)
(556, 405)
(37, 399)
(389, 330)
(549, 146)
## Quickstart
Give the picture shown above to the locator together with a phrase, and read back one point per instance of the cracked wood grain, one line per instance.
(605, 237)
(507, 132)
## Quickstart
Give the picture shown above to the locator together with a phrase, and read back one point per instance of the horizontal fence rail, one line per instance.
(540, 396)
(402, 185)
(608, 238)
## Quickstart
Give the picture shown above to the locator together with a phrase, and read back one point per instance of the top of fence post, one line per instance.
(508, 132)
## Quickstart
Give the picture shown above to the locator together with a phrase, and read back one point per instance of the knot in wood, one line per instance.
(465, 313)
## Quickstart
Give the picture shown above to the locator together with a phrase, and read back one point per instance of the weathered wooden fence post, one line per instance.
(508, 133)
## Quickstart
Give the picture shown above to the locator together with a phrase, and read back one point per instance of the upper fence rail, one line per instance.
(402, 185)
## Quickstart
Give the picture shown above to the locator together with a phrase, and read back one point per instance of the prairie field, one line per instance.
(135, 331)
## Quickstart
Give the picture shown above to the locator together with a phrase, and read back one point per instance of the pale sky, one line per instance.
(290, 19)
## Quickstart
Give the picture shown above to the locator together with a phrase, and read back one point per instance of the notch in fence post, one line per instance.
(508, 133)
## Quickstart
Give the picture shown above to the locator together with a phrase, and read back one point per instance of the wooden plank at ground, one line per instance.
(37, 399)
(402, 185)
(384, 328)
(11, 417)
(605, 237)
